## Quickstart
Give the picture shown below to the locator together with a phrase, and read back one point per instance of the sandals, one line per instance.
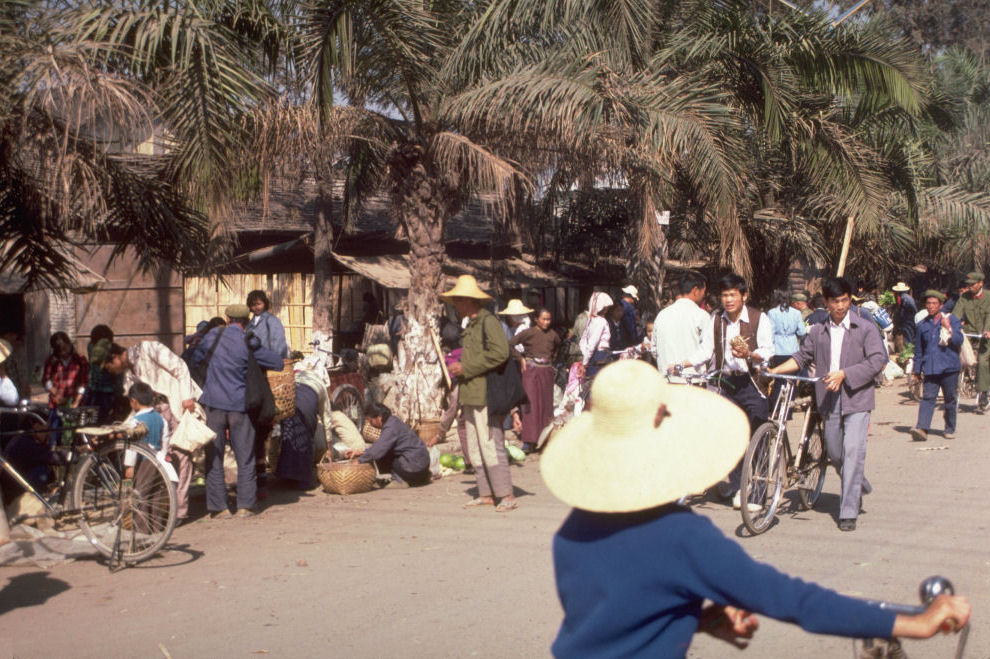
(474, 503)
(506, 506)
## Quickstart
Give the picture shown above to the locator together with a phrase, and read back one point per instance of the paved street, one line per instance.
(402, 572)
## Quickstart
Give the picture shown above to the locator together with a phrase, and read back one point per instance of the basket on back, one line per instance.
(346, 477)
(283, 385)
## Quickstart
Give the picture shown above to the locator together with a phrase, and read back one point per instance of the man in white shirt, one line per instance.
(682, 332)
(743, 338)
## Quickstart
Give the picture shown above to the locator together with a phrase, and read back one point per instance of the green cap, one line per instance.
(974, 277)
(799, 297)
(931, 292)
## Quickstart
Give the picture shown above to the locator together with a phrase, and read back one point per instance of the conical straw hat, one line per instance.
(624, 456)
(467, 286)
(515, 308)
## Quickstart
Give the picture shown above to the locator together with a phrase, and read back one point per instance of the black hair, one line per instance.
(115, 351)
(216, 321)
(159, 399)
(690, 281)
(450, 335)
(834, 287)
(732, 281)
(780, 298)
(375, 409)
(100, 332)
(142, 393)
(256, 295)
(61, 339)
(818, 301)
(541, 310)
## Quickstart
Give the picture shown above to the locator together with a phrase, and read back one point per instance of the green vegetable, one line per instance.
(459, 463)
(447, 460)
(515, 453)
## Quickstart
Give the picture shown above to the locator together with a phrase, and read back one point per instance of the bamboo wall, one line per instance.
(291, 296)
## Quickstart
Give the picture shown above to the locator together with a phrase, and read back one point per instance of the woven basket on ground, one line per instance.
(370, 433)
(346, 477)
(283, 385)
(428, 429)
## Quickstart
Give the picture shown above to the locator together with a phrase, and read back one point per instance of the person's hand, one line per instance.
(946, 614)
(455, 370)
(741, 352)
(189, 405)
(522, 365)
(986, 335)
(433, 441)
(516, 424)
(728, 623)
(352, 454)
(834, 380)
(945, 322)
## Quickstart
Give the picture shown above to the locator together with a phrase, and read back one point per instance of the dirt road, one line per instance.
(407, 572)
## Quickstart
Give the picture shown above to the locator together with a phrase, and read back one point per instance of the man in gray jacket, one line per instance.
(849, 351)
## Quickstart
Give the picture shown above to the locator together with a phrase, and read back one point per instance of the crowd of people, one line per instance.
(506, 369)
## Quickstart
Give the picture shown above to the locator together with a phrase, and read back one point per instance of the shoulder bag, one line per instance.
(504, 388)
(259, 403)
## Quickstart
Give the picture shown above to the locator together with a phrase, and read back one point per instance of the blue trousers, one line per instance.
(949, 385)
(242, 442)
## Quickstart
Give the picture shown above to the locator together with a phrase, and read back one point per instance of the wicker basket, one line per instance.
(346, 477)
(370, 433)
(428, 429)
(283, 385)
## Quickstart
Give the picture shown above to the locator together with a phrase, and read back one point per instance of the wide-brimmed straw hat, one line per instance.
(515, 308)
(5, 350)
(644, 442)
(631, 291)
(466, 286)
(900, 287)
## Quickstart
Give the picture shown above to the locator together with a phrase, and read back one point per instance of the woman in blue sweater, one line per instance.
(638, 575)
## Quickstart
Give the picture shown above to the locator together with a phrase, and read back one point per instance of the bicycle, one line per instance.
(770, 465)
(967, 377)
(929, 589)
(115, 487)
(342, 376)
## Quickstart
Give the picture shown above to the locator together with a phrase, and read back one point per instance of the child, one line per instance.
(141, 398)
(181, 460)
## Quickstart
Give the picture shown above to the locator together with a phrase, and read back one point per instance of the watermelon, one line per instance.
(459, 463)
(515, 453)
(446, 460)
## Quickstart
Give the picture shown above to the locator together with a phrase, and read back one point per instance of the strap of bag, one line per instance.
(209, 355)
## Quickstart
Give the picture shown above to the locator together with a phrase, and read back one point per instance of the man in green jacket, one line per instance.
(973, 309)
(483, 348)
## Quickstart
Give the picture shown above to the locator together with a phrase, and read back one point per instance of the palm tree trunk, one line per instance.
(423, 207)
(324, 294)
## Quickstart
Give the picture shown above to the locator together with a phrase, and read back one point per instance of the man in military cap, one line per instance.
(973, 309)
(800, 302)
(936, 358)
(227, 350)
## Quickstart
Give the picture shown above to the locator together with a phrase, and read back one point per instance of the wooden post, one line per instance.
(845, 247)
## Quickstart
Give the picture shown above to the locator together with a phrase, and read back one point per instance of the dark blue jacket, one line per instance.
(628, 334)
(633, 584)
(398, 439)
(225, 377)
(929, 357)
(904, 315)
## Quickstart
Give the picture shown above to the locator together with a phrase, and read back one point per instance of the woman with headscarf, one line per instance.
(596, 340)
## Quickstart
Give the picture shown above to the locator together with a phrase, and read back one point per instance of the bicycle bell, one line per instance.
(932, 587)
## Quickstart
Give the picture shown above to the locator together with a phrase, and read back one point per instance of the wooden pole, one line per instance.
(443, 364)
(845, 247)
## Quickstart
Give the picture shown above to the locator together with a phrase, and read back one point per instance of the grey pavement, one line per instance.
(407, 572)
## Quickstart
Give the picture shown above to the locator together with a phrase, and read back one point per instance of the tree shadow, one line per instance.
(32, 589)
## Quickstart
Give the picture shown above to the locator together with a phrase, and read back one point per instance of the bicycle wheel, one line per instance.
(762, 479)
(347, 399)
(811, 471)
(139, 521)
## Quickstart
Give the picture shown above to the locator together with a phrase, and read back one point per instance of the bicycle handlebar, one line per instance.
(973, 336)
(796, 378)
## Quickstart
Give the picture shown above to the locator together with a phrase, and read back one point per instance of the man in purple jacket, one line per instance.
(849, 351)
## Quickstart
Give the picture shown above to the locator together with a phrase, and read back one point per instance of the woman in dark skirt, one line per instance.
(296, 458)
(540, 345)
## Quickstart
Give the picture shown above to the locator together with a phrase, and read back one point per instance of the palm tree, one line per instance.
(68, 170)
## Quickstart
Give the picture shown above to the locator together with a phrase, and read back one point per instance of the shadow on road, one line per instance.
(30, 589)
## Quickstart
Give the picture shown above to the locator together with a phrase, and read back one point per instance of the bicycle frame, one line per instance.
(781, 412)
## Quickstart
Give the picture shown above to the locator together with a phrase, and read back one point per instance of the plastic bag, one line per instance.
(191, 434)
